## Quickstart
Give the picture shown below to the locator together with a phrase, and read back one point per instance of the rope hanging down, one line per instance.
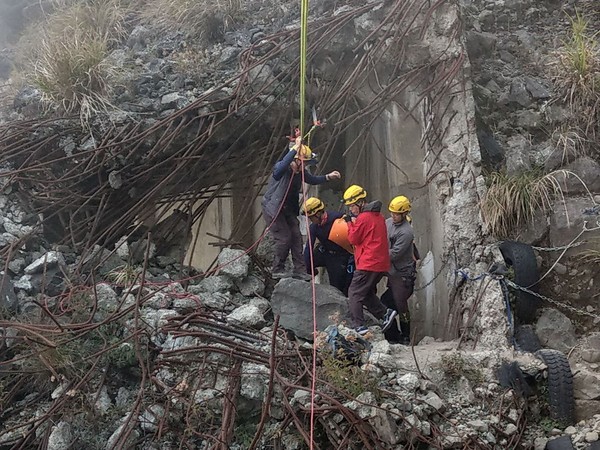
(303, 40)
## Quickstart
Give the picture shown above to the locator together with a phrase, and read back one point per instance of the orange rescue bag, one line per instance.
(339, 234)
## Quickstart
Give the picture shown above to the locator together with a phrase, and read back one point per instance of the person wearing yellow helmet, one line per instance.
(281, 206)
(402, 274)
(327, 253)
(367, 233)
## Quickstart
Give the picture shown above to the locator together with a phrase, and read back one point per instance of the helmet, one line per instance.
(399, 205)
(353, 194)
(312, 206)
(305, 153)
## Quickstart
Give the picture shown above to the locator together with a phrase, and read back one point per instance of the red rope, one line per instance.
(314, 311)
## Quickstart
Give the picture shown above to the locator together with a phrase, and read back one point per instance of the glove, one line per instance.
(347, 218)
(335, 175)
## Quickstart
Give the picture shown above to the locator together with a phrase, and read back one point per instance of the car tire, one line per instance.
(526, 340)
(560, 385)
(522, 259)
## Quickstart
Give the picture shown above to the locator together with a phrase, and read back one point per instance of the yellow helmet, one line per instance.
(399, 205)
(353, 194)
(312, 206)
(305, 153)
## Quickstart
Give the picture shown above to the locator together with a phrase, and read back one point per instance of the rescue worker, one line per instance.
(367, 233)
(403, 258)
(281, 207)
(327, 253)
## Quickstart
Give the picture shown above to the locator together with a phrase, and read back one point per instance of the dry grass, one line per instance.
(512, 200)
(577, 76)
(592, 255)
(64, 56)
(571, 143)
(206, 20)
(73, 76)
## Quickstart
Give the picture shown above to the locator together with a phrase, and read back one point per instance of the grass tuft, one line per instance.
(577, 76)
(571, 143)
(65, 55)
(124, 275)
(512, 200)
(72, 76)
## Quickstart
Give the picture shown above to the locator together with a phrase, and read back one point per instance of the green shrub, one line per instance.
(348, 378)
(455, 366)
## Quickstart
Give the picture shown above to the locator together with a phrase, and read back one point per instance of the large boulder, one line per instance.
(235, 263)
(292, 301)
(586, 385)
(556, 331)
(590, 348)
(588, 176)
(567, 220)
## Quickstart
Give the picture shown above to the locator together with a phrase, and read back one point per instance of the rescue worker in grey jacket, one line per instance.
(281, 206)
(402, 274)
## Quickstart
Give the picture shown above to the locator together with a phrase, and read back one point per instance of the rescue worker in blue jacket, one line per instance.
(281, 206)
(326, 253)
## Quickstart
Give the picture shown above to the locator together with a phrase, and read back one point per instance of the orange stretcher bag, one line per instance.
(339, 234)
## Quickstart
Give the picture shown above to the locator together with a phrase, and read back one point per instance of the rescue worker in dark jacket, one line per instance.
(281, 207)
(327, 253)
(403, 257)
(368, 235)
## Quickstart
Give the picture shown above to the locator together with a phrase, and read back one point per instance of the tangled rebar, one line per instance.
(226, 140)
(223, 143)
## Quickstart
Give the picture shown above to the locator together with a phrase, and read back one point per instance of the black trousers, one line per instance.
(337, 268)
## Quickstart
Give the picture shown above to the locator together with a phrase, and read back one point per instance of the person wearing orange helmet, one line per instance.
(367, 233)
(403, 257)
(281, 206)
(326, 253)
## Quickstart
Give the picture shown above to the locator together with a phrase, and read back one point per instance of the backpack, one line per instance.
(344, 349)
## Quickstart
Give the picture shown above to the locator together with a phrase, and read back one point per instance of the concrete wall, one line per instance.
(391, 164)
(216, 220)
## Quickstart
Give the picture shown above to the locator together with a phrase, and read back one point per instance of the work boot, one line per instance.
(392, 334)
(362, 330)
(388, 319)
(405, 329)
